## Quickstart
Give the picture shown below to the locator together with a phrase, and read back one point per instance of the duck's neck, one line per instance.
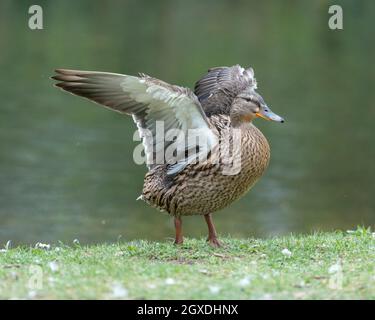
(239, 121)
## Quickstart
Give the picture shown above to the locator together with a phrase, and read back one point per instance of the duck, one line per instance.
(218, 154)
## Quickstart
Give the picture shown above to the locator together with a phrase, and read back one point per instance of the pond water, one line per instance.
(66, 165)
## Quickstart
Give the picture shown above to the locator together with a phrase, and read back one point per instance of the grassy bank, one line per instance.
(318, 266)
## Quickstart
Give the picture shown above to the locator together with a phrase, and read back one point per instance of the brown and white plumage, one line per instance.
(217, 89)
(204, 187)
(224, 100)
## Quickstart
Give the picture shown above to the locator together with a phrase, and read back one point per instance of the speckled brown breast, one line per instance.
(207, 187)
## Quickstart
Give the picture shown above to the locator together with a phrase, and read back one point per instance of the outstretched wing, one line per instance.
(217, 89)
(151, 102)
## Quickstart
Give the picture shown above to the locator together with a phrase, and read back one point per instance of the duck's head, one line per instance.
(248, 105)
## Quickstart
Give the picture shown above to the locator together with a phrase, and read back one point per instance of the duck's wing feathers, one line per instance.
(153, 104)
(221, 85)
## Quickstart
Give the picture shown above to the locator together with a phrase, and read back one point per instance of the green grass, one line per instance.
(321, 266)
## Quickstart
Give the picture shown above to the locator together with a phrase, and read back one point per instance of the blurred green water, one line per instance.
(66, 165)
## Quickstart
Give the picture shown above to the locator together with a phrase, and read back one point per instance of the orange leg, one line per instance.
(178, 226)
(212, 235)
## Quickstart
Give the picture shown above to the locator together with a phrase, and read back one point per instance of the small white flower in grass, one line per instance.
(335, 268)
(3, 250)
(244, 282)
(151, 285)
(44, 246)
(119, 254)
(53, 266)
(205, 271)
(169, 281)
(214, 289)
(286, 252)
(118, 291)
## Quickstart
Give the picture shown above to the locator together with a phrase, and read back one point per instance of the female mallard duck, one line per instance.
(207, 177)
